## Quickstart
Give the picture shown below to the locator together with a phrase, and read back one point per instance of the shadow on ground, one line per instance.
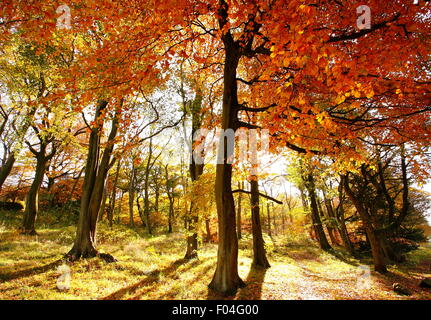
(150, 279)
(30, 272)
(252, 290)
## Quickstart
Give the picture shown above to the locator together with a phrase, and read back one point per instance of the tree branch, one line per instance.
(359, 34)
(260, 194)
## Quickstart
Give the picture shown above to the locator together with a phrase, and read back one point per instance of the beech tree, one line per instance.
(96, 171)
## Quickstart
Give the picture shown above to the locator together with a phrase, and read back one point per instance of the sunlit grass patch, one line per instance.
(152, 267)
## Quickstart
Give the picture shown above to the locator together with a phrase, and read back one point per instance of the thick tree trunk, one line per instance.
(259, 253)
(226, 279)
(317, 223)
(94, 182)
(32, 199)
(377, 249)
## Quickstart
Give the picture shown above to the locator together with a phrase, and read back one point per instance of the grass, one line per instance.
(153, 268)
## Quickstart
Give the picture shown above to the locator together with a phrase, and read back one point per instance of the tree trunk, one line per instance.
(32, 199)
(196, 171)
(51, 183)
(377, 249)
(103, 206)
(208, 230)
(345, 234)
(306, 208)
(341, 223)
(268, 212)
(192, 237)
(171, 216)
(238, 216)
(132, 196)
(6, 169)
(259, 253)
(94, 182)
(113, 197)
(147, 210)
(373, 238)
(329, 227)
(226, 279)
(146, 189)
(317, 223)
(156, 196)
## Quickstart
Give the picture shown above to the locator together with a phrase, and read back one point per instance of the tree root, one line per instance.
(28, 232)
(75, 255)
(227, 292)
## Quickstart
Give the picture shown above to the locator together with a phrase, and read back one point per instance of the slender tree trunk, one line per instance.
(332, 220)
(345, 234)
(50, 186)
(317, 223)
(113, 197)
(268, 212)
(132, 197)
(171, 212)
(329, 228)
(72, 192)
(146, 189)
(208, 230)
(283, 220)
(103, 206)
(157, 197)
(192, 238)
(341, 223)
(141, 212)
(147, 211)
(196, 171)
(259, 253)
(238, 216)
(305, 206)
(32, 199)
(120, 209)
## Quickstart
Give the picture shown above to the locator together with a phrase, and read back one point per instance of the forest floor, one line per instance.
(153, 268)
